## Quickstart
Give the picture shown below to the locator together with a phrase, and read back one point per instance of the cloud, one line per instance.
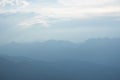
(5, 3)
(63, 10)
(34, 20)
(69, 13)
(85, 3)
(12, 6)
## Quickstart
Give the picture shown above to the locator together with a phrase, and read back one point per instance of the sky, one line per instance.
(73, 20)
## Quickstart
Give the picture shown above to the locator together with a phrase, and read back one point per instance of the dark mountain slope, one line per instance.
(27, 69)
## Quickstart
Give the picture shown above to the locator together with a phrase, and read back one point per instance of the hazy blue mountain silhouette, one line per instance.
(103, 51)
(95, 59)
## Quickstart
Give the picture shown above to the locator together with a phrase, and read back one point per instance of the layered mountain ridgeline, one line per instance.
(95, 59)
(21, 68)
(100, 51)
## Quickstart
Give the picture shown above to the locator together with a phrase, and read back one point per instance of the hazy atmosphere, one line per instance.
(59, 39)
(73, 20)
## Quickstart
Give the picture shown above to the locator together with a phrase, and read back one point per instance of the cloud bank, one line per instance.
(59, 10)
(74, 20)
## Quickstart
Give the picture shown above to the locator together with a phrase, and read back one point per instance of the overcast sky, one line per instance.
(74, 20)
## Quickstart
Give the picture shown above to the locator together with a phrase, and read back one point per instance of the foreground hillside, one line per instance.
(12, 68)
